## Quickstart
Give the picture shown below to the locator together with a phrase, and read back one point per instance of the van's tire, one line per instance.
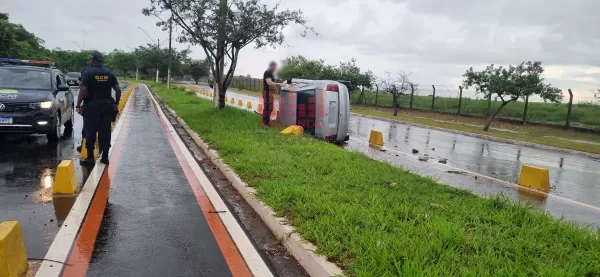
(54, 135)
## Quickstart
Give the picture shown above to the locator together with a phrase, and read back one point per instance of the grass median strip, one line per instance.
(373, 219)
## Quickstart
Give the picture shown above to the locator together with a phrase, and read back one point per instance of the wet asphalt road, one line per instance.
(27, 169)
(571, 176)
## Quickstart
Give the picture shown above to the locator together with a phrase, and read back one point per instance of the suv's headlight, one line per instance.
(41, 105)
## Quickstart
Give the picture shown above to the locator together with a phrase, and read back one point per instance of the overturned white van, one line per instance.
(321, 107)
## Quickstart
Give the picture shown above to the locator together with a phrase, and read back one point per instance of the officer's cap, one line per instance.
(97, 56)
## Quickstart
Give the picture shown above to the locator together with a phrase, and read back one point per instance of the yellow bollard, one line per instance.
(535, 177)
(232, 100)
(13, 257)
(65, 181)
(226, 99)
(293, 130)
(83, 153)
(260, 108)
(240, 103)
(376, 138)
(249, 105)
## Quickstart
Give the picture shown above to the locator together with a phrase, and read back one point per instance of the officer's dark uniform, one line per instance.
(100, 107)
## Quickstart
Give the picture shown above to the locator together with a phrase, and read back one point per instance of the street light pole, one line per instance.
(157, 48)
(169, 64)
(137, 63)
(78, 45)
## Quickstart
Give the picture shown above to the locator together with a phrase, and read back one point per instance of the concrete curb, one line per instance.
(314, 264)
(492, 138)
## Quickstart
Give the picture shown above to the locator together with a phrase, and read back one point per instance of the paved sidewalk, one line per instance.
(157, 220)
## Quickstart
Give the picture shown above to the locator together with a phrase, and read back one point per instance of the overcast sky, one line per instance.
(436, 40)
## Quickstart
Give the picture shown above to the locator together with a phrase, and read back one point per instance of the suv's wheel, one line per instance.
(69, 124)
(54, 135)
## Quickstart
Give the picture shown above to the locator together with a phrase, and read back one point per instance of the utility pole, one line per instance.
(169, 64)
(84, 40)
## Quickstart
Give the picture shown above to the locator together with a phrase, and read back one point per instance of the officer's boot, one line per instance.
(89, 160)
(104, 158)
(80, 146)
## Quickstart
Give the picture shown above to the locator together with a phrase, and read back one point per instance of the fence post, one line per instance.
(525, 110)
(376, 94)
(412, 95)
(569, 111)
(459, 99)
(433, 100)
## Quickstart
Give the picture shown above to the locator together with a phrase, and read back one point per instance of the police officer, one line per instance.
(100, 108)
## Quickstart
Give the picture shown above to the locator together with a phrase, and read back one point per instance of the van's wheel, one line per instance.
(54, 135)
(69, 124)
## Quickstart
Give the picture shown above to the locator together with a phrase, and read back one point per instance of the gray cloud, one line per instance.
(435, 39)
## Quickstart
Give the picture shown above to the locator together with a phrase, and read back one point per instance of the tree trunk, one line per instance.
(491, 118)
(219, 95)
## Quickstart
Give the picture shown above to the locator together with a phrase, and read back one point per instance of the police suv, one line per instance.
(34, 98)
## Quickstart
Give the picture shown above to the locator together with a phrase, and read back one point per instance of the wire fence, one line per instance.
(583, 115)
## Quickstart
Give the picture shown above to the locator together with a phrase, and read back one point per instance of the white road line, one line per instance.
(255, 263)
(61, 246)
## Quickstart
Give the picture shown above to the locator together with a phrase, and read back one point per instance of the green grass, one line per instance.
(584, 115)
(374, 219)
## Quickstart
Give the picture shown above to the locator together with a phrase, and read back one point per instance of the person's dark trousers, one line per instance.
(97, 124)
(268, 109)
(83, 132)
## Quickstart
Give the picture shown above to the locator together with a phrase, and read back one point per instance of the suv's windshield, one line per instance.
(73, 74)
(22, 78)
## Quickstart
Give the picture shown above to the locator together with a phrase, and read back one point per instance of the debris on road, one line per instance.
(433, 149)
(415, 151)
(423, 158)
(443, 161)
(457, 172)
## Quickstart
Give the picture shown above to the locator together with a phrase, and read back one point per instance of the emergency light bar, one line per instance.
(34, 62)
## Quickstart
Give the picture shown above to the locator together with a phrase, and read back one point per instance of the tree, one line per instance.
(68, 60)
(17, 42)
(510, 84)
(151, 58)
(397, 84)
(300, 67)
(222, 28)
(198, 69)
(119, 60)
